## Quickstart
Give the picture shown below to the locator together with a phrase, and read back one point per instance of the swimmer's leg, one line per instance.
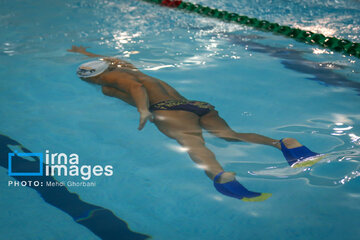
(296, 154)
(185, 129)
(213, 123)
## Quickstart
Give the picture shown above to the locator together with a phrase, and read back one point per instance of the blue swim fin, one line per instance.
(300, 156)
(236, 190)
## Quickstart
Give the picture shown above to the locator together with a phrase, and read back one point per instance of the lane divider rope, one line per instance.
(332, 43)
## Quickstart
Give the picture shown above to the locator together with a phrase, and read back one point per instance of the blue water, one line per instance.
(259, 82)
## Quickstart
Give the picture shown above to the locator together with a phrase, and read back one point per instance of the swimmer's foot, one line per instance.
(226, 184)
(298, 155)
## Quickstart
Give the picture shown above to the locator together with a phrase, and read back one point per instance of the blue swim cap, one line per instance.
(92, 69)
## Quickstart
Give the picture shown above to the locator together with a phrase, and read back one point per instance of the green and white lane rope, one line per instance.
(332, 43)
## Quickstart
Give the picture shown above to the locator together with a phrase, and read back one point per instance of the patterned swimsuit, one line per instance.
(197, 107)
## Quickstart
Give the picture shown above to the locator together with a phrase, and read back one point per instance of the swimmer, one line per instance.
(183, 120)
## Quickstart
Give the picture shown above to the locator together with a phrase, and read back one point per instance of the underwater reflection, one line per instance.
(350, 169)
(322, 72)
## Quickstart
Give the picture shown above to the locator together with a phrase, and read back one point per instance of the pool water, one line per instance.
(258, 81)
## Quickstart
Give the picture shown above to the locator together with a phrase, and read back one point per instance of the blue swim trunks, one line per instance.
(197, 107)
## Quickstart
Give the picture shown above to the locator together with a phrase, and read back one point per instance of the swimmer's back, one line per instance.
(157, 90)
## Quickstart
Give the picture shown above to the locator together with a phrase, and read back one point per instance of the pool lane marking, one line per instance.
(101, 221)
(332, 43)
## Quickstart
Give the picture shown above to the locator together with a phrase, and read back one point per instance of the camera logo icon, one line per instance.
(19, 166)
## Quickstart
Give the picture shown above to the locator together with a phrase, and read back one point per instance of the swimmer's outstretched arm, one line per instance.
(114, 61)
(82, 50)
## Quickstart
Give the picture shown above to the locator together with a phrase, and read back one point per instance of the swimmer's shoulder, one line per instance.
(125, 74)
(116, 75)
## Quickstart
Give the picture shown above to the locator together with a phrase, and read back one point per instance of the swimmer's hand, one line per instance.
(144, 117)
